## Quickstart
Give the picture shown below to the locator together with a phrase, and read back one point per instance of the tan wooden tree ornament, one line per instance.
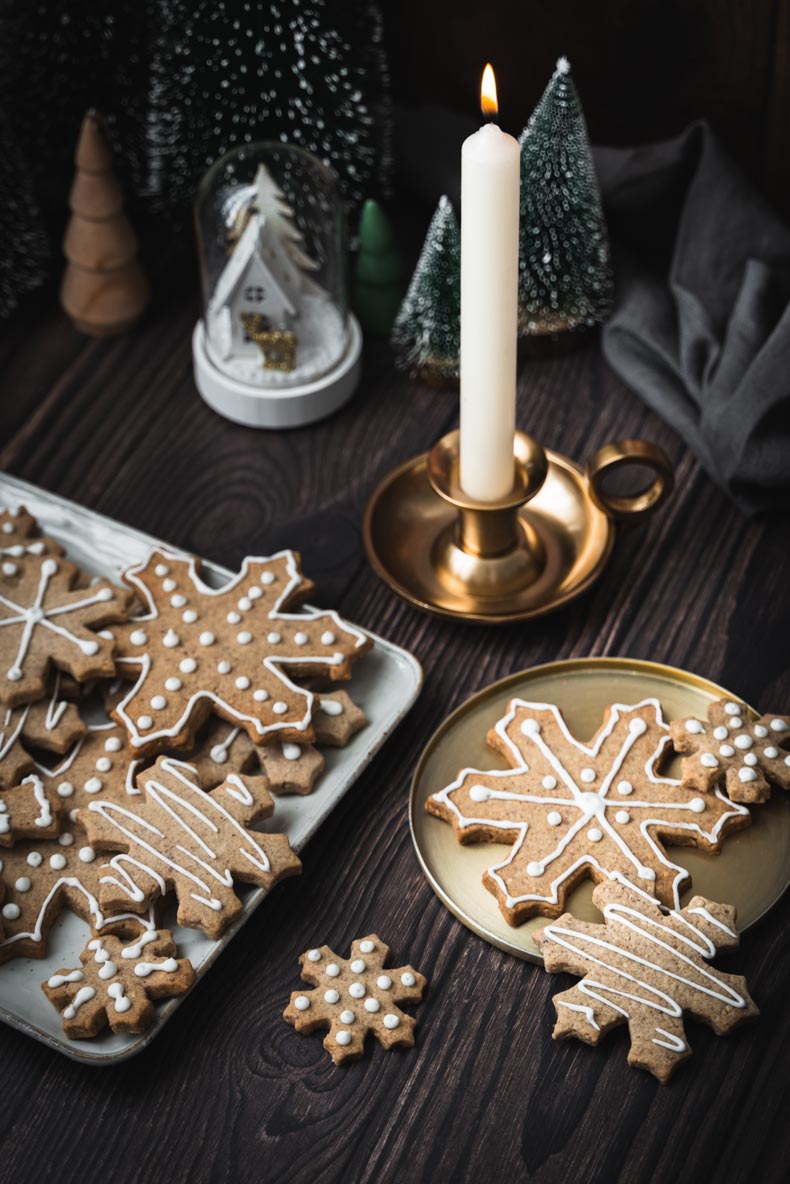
(104, 290)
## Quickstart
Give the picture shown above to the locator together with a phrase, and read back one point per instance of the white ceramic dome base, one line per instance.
(278, 407)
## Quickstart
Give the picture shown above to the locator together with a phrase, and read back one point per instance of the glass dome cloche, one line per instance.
(277, 345)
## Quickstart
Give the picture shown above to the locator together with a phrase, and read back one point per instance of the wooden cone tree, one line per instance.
(104, 290)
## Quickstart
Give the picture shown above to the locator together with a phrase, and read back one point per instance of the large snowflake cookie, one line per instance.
(116, 983)
(226, 651)
(355, 997)
(645, 967)
(46, 621)
(173, 835)
(747, 754)
(573, 811)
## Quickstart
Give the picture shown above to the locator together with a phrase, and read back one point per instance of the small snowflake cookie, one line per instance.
(571, 811)
(733, 747)
(647, 967)
(355, 997)
(116, 983)
(226, 651)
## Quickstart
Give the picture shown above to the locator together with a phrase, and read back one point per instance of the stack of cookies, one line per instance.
(217, 701)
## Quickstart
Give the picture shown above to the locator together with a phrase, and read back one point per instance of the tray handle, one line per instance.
(622, 453)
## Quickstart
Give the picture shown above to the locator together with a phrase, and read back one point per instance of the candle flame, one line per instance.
(488, 100)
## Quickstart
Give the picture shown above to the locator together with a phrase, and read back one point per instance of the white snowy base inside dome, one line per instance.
(321, 340)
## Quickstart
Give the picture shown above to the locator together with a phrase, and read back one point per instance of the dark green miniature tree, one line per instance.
(565, 274)
(427, 332)
(378, 273)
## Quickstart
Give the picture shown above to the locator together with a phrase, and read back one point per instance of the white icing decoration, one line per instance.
(178, 601)
(479, 793)
(708, 760)
(114, 744)
(242, 682)
(161, 569)
(333, 970)
(750, 758)
(760, 731)
(623, 817)
(58, 980)
(695, 727)
(207, 638)
(244, 638)
(233, 618)
(291, 752)
(255, 592)
(279, 708)
(726, 750)
(535, 869)
(347, 1017)
(554, 818)
(268, 577)
(372, 1005)
(11, 911)
(697, 805)
(587, 775)
(87, 854)
(143, 969)
(367, 947)
(594, 834)
(743, 741)
(732, 708)
(144, 722)
(260, 696)
(187, 666)
(57, 862)
(159, 702)
(331, 707)
(549, 782)
(173, 684)
(384, 982)
(274, 638)
(778, 725)
(747, 774)
(301, 1003)
(313, 955)
(245, 604)
(358, 966)
(391, 1021)
(189, 616)
(122, 1002)
(530, 727)
(134, 951)
(343, 1037)
(84, 995)
(224, 667)
(736, 722)
(65, 840)
(327, 638)
(408, 979)
(22, 884)
(771, 752)
(331, 996)
(168, 585)
(356, 991)
(625, 788)
(301, 638)
(720, 733)
(138, 637)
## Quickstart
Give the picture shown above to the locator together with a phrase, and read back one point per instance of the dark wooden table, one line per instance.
(228, 1092)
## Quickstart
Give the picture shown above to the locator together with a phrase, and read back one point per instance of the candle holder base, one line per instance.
(512, 561)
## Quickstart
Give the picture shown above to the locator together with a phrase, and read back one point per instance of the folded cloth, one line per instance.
(701, 325)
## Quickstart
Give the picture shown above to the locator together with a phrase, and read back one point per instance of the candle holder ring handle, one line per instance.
(630, 454)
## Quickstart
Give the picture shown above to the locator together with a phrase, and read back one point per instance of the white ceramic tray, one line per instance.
(385, 684)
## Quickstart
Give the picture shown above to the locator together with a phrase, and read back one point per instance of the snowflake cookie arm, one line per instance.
(731, 746)
(116, 983)
(20, 541)
(29, 810)
(354, 998)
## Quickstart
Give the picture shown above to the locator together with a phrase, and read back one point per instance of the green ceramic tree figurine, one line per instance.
(378, 286)
(427, 333)
(565, 275)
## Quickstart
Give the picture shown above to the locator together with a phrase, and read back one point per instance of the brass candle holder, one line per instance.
(521, 557)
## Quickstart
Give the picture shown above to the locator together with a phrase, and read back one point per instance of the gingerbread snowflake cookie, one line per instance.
(354, 998)
(117, 982)
(174, 835)
(746, 754)
(20, 540)
(226, 651)
(572, 811)
(52, 723)
(646, 967)
(46, 621)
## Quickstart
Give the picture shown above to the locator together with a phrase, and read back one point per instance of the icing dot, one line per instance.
(34, 859)
(743, 742)
(144, 723)
(697, 805)
(161, 569)
(327, 638)
(331, 996)
(333, 970)
(188, 666)
(173, 684)
(260, 696)
(168, 585)
(367, 947)
(207, 638)
(103, 764)
(479, 793)
(93, 784)
(114, 744)
(178, 601)
(594, 834)
(771, 752)
(65, 789)
(244, 638)
(66, 840)
(750, 758)
(57, 862)
(245, 604)
(8, 528)
(300, 638)
(104, 594)
(14, 674)
(358, 966)
(372, 1005)
(587, 775)
(313, 955)
(391, 1021)
(242, 682)
(727, 750)
(22, 884)
(736, 722)
(347, 1017)
(171, 639)
(267, 577)
(408, 979)
(89, 647)
(139, 637)
(233, 618)
(708, 760)
(646, 873)
(343, 1037)
(747, 774)
(530, 727)
(189, 616)
(73, 814)
(553, 818)
(301, 1003)
(279, 708)
(274, 638)
(549, 782)
(778, 725)
(159, 702)
(291, 752)
(720, 733)
(356, 991)
(622, 816)
(534, 869)
(760, 731)
(224, 667)
(637, 727)
(87, 854)
(732, 708)
(10, 911)
(625, 788)
(384, 982)
(9, 568)
(694, 726)
(219, 754)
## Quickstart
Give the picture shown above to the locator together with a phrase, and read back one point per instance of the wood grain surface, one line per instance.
(229, 1092)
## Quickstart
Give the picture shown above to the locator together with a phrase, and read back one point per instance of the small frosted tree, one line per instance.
(565, 275)
(426, 336)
